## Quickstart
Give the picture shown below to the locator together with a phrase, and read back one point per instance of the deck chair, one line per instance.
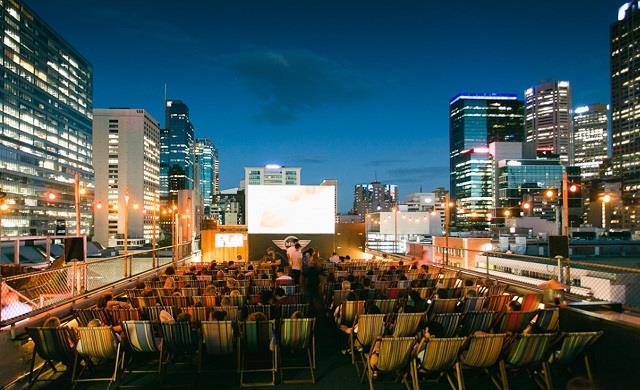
(207, 300)
(547, 320)
(407, 324)
(233, 312)
(474, 321)
(237, 300)
(298, 335)
(449, 322)
(189, 291)
(218, 339)
(339, 296)
(394, 292)
(52, 345)
(370, 327)
(179, 340)
(514, 321)
(498, 302)
(530, 302)
(256, 342)
(438, 356)
(473, 304)
(349, 311)
(119, 315)
(386, 306)
(266, 309)
(197, 313)
(440, 306)
(141, 302)
(152, 313)
(394, 354)
(176, 301)
(141, 340)
(425, 292)
(96, 344)
(287, 310)
(483, 353)
(531, 352)
(83, 316)
(573, 347)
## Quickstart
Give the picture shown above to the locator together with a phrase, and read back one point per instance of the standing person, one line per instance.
(296, 263)
(312, 284)
(334, 258)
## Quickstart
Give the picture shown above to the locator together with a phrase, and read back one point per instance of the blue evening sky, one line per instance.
(344, 89)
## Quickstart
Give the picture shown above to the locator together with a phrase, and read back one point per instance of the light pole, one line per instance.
(606, 198)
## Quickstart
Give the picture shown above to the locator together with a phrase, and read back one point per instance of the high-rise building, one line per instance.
(272, 174)
(374, 197)
(548, 118)
(590, 138)
(206, 163)
(46, 107)
(126, 160)
(176, 151)
(475, 120)
(625, 114)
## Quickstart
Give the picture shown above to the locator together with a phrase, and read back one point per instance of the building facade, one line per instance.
(272, 174)
(129, 166)
(374, 197)
(177, 152)
(475, 121)
(590, 138)
(206, 156)
(46, 107)
(548, 118)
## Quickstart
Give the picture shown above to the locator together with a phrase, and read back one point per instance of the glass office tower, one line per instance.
(207, 162)
(46, 108)
(176, 152)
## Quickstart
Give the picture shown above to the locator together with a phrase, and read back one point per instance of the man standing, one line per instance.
(335, 259)
(295, 259)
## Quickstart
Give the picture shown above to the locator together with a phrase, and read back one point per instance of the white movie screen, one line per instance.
(290, 209)
(229, 240)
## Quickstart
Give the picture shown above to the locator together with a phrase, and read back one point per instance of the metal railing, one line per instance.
(26, 295)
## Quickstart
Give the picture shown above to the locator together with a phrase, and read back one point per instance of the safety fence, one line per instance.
(26, 295)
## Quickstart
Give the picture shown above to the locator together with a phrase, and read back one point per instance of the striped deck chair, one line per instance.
(233, 312)
(531, 302)
(394, 354)
(404, 284)
(189, 291)
(498, 302)
(438, 356)
(298, 335)
(449, 322)
(119, 315)
(237, 300)
(547, 320)
(152, 313)
(339, 296)
(176, 301)
(164, 292)
(287, 310)
(141, 341)
(133, 292)
(96, 344)
(441, 306)
(531, 352)
(83, 316)
(386, 306)
(474, 321)
(266, 309)
(574, 346)
(496, 289)
(260, 289)
(290, 290)
(141, 302)
(448, 293)
(370, 327)
(425, 292)
(218, 339)
(473, 304)
(284, 282)
(483, 353)
(178, 339)
(393, 292)
(52, 345)
(204, 278)
(197, 313)
(514, 321)
(407, 324)
(266, 283)
(255, 342)
(349, 311)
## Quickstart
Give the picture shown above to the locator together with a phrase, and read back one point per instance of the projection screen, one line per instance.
(290, 209)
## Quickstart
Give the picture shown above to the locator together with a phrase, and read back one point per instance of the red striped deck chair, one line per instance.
(531, 302)
(297, 335)
(394, 355)
(141, 341)
(438, 356)
(498, 302)
(483, 353)
(96, 344)
(440, 306)
(51, 345)
(255, 344)
(514, 321)
(393, 292)
(407, 324)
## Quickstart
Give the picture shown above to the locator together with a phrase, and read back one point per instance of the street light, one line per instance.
(606, 198)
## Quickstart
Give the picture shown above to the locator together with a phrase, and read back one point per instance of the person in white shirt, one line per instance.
(296, 262)
(334, 258)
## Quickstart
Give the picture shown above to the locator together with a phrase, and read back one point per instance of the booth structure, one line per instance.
(224, 242)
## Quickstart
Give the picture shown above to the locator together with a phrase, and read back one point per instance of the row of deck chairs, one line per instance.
(86, 347)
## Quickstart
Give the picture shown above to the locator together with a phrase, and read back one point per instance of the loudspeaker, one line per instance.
(558, 246)
(74, 248)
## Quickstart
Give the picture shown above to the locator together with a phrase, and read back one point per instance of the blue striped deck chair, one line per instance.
(572, 347)
(547, 320)
(96, 345)
(531, 352)
(141, 340)
(289, 290)
(449, 322)
(474, 321)
(178, 339)
(218, 339)
(256, 343)
(297, 335)
(473, 304)
(441, 306)
(438, 356)
(287, 310)
(386, 306)
(52, 345)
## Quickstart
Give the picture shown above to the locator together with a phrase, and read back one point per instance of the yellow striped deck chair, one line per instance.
(256, 344)
(189, 291)
(483, 353)
(386, 306)
(474, 321)
(473, 304)
(141, 341)
(369, 328)
(425, 292)
(197, 313)
(498, 302)
(449, 322)
(349, 311)
(339, 296)
(52, 345)
(531, 302)
(218, 339)
(547, 320)
(574, 346)
(407, 324)
(287, 310)
(298, 335)
(394, 354)
(438, 356)
(440, 306)
(531, 351)
(96, 344)
(514, 321)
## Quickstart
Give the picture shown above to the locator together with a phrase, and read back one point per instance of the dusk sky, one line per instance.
(344, 89)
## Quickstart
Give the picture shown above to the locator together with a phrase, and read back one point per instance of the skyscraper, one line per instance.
(548, 118)
(45, 139)
(374, 197)
(129, 165)
(206, 161)
(475, 120)
(590, 138)
(176, 151)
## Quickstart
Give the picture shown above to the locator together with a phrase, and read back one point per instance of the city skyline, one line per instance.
(228, 75)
